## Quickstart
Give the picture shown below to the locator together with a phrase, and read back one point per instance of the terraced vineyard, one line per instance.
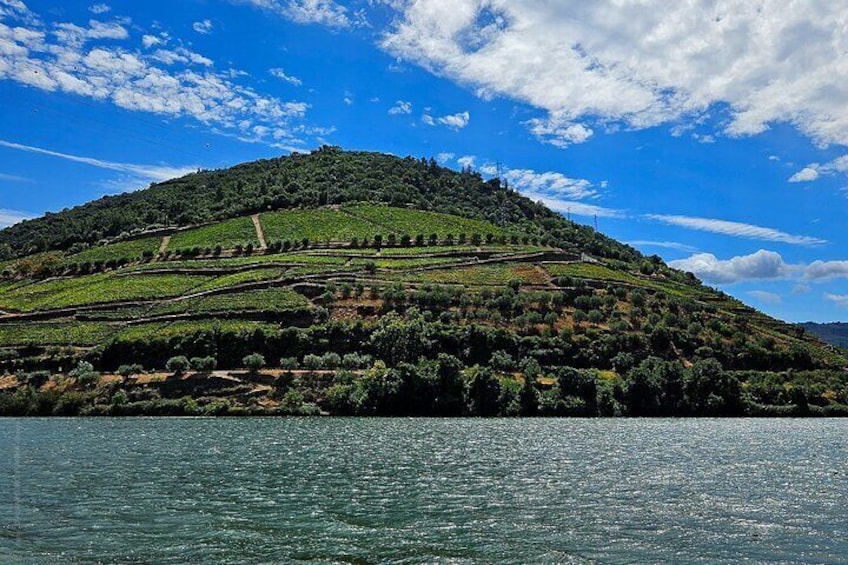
(362, 307)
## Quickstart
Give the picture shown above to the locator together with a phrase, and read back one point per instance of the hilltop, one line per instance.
(362, 283)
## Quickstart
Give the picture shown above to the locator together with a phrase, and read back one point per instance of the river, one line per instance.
(328, 490)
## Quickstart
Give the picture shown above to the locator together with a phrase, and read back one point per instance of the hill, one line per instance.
(835, 333)
(360, 283)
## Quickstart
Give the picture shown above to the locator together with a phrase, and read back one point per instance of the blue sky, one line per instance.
(712, 134)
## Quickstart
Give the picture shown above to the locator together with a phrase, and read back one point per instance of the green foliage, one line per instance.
(55, 333)
(204, 364)
(95, 289)
(326, 176)
(130, 370)
(254, 362)
(130, 250)
(228, 234)
(397, 338)
(84, 373)
(178, 365)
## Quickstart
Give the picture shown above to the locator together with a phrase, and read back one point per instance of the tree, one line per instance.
(254, 362)
(178, 365)
(84, 373)
(482, 392)
(711, 390)
(204, 364)
(129, 370)
(399, 339)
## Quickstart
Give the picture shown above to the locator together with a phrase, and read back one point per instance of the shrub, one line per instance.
(331, 360)
(130, 370)
(178, 365)
(204, 363)
(84, 373)
(289, 363)
(254, 362)
(311, 361)
(356, 361)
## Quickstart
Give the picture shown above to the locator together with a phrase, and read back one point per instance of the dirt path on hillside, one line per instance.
(260, 235)
(164, 245)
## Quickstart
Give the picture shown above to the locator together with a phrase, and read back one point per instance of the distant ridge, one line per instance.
(834, 333)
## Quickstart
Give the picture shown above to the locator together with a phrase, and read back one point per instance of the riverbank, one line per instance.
(377, 391)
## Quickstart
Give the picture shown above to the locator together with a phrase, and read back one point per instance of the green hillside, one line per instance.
(358, 283)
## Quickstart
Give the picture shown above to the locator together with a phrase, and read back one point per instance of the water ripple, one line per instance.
(422, 491)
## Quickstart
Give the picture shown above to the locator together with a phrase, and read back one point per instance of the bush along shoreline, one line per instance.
(357, 385)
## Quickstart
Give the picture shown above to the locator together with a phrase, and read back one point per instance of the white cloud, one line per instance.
(11, 217)
(99, 8)
(85, 61)
(560, 132)
(281, 74)
(444, 157)
(840, 300)
(180, 55)
(455, 121)
(765, 296)
(151, 40)
(814, 170)
(757, 266)
(826, 270)
(549, 183)
(735, 229)
(640, 64)
(203, 27)
(150, 173)
(466, 161)
(760, 265)
(75, 35)
(807, 174)
(323, 12)
(401, 107)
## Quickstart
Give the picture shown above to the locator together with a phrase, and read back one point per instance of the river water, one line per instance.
(329, 490)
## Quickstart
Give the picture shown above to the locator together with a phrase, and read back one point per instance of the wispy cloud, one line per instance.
(94, 61)
(401, 107)
(323, 12)
(203, 27)
(549, 184)
(765, 296)
(574, 208)
(840, 300)
(281, 74)
(815, 170)
(154, 173)
(99, 8)
(664, 244)
(13, 178)
(735, 229)
(454, 121)
(11, 217)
